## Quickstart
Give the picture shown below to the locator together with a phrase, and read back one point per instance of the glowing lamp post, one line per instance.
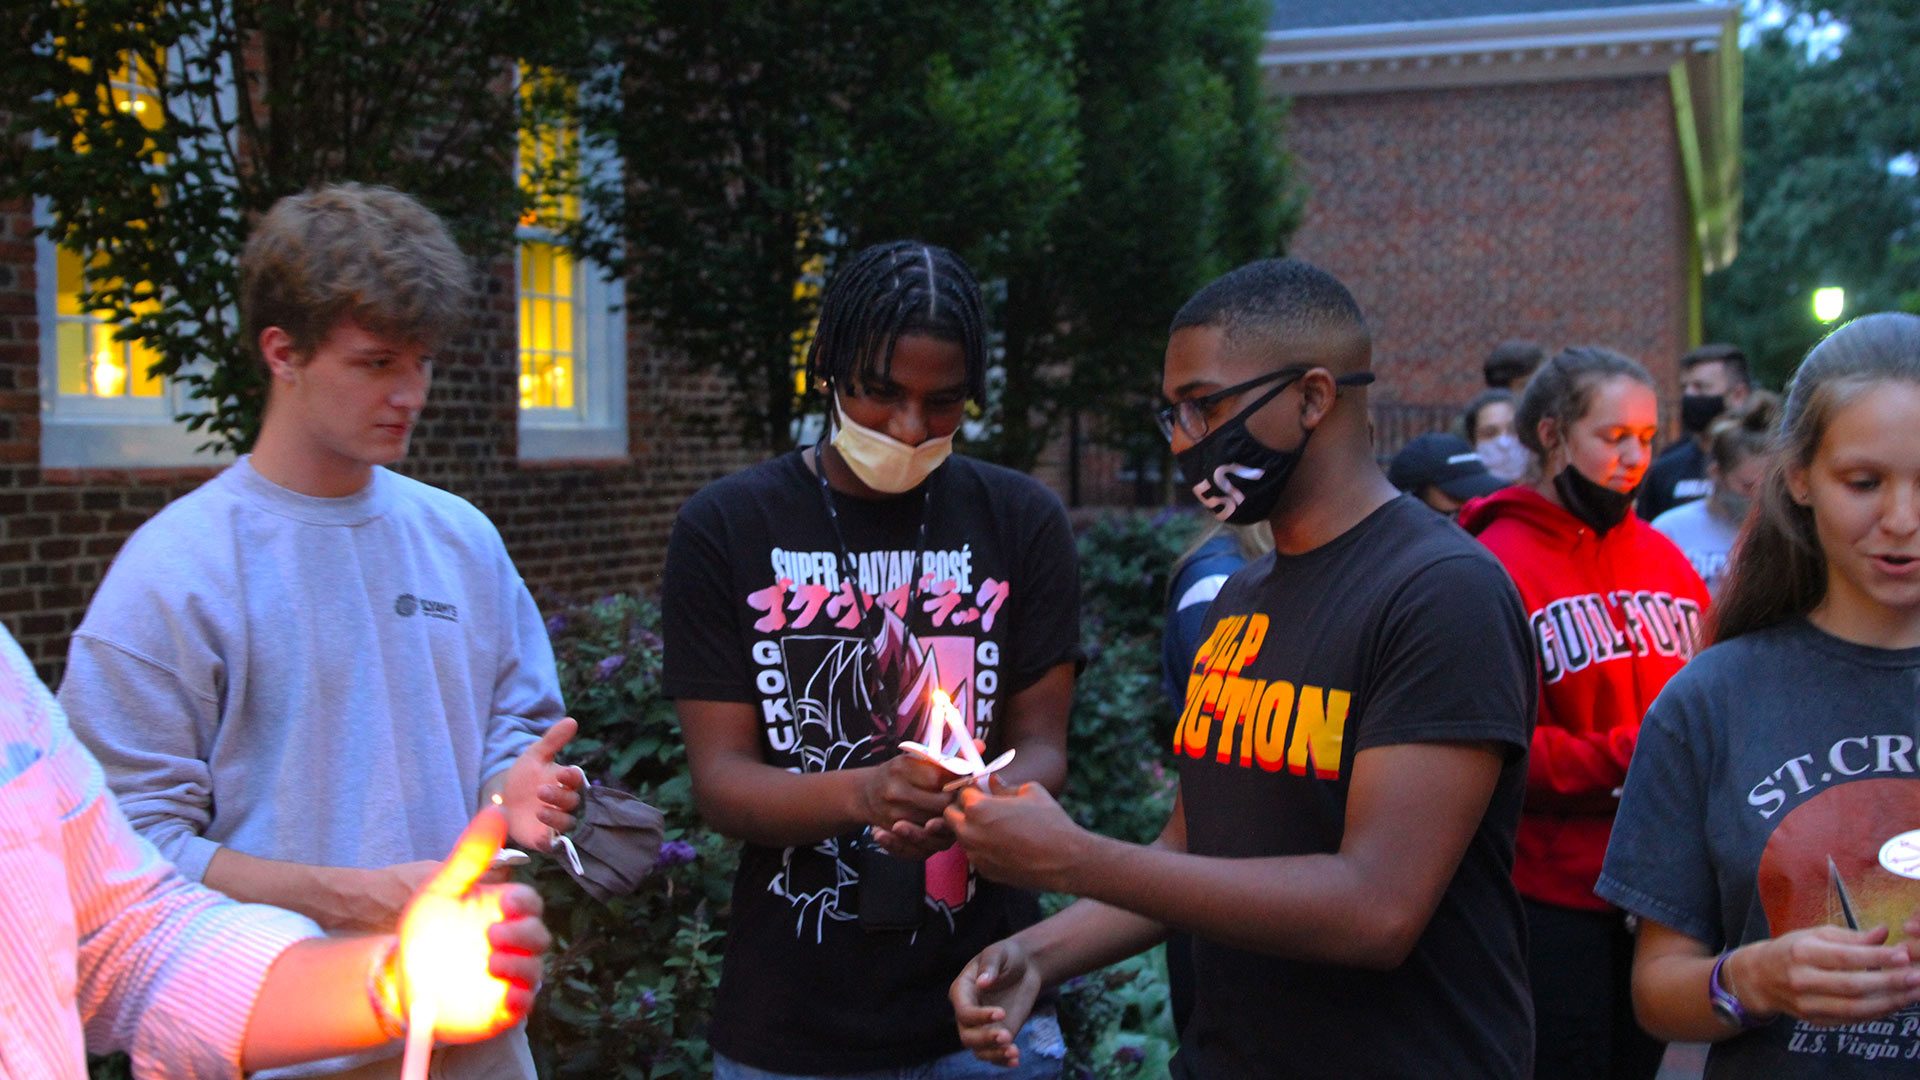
(1828, 302)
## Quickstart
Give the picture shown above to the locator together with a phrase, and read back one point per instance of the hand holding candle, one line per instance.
(469, 956)
(956, 756)
(966, 765)
(1020, 836)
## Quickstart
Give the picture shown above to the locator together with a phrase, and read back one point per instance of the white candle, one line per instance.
(419, 1038)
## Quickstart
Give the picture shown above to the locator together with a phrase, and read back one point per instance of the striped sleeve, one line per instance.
(166, 969)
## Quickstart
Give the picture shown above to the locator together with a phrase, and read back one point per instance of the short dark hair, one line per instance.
(1471, 418)
(1719, 353)
(1511, 361)
(890, 290)
(1273, 298)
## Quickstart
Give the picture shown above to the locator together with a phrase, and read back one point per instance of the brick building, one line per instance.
(582, 508)
(1557, 170)
(1478, 169)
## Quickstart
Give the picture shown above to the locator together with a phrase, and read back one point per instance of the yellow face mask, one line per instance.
(883, 462)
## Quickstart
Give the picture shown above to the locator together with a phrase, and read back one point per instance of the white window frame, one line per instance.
(79, 431)
(595, 427)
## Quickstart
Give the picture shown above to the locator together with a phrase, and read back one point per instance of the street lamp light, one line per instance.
(1829, 302)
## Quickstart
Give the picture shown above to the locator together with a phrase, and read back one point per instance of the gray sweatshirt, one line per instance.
(321, 681)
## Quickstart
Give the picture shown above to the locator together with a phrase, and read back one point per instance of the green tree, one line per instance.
(1821, 205)
(762, 141)
(252, 100)
(1182, 178)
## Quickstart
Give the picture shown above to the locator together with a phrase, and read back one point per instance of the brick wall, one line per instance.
(1461, 217)
(574, 529)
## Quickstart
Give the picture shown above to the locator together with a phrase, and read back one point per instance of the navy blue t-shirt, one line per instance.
(1761, 760)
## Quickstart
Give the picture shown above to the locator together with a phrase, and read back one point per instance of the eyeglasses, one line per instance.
(1189, 417)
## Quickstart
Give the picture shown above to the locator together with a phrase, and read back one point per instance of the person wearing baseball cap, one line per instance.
(1442, 471)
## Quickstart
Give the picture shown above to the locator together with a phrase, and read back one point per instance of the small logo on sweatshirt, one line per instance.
(406, 604)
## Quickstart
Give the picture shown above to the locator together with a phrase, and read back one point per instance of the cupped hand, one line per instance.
(1825, 975)
(992, 997)
(474, 949)
(905, 840)
(902, 789)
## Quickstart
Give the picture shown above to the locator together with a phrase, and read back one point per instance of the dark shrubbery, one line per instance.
(630, 984)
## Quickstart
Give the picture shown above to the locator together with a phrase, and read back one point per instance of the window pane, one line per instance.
(67, 267)
(140, 359)
(109, 375)
(542, 326)
(71, 339)
(90, 362)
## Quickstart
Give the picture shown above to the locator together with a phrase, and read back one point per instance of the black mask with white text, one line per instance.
(1235, 475)
(1596, 504)
(1238, 477)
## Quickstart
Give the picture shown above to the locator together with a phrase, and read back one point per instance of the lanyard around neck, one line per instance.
(848, 570)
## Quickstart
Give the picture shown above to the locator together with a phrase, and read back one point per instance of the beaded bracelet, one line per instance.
(383, 990)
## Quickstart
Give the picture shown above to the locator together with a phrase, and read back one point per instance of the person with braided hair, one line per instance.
(821, 608)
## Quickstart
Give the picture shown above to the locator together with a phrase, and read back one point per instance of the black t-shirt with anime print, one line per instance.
(756, 609)
(1401, 630)
(1776, 787)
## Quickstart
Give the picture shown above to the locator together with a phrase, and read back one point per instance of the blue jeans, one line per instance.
(1040, 1054)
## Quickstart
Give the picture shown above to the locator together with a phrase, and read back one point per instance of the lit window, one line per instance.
(546, 326)
(812, 277)
(549, 283)
(101, 406)
(572, 331)
(90, 361)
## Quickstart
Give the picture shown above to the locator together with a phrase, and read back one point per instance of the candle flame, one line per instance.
(497, 801)
(947, 715)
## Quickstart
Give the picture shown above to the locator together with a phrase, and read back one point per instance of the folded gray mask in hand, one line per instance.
(614, 842)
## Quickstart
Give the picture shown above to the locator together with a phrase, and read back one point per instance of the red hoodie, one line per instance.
(1613, 617)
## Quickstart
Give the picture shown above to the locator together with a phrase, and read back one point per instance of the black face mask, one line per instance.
(1596, 504)
(1698, 410)
(1238, 477)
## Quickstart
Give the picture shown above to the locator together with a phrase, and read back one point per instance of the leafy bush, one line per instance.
(1117, 782)
(1117, 1022)
(630, 984)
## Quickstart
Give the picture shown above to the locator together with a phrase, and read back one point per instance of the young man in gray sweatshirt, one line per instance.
(306, 676)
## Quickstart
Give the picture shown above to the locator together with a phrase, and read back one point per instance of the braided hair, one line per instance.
(890, 290)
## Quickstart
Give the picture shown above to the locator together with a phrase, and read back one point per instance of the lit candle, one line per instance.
(444, 949)
(948, 716)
